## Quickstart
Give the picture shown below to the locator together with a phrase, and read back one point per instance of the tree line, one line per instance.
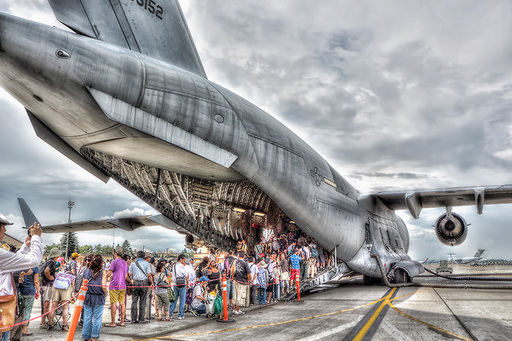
(72, 245)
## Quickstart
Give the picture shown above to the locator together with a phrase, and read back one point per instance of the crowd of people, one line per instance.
(161, 289)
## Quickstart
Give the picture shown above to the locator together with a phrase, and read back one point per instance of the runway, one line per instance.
(348, 311)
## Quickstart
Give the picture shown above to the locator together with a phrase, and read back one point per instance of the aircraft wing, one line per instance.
(151, 27)
(415, 200)
(127, 224)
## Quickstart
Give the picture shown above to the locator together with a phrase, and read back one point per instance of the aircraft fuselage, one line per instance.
(106, 98)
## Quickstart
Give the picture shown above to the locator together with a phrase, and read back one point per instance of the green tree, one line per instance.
(85, 250)
(73, 243)
(127, 248)
(188, 253)
(47, 248)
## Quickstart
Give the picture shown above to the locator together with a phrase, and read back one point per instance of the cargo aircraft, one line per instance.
(125, 96)
(466, 260)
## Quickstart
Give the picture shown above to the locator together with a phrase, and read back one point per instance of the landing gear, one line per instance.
(400, 276)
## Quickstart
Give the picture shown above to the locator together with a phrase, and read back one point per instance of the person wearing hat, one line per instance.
(261, 282)
(28, 256)
(198, 306)
(47, 277)
(61, 294)
(141, 278)
(149, 295)
(116, 274)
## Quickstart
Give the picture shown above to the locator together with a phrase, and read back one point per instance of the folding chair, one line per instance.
(58, 317)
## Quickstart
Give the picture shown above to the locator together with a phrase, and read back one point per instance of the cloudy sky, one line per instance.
(395, 95)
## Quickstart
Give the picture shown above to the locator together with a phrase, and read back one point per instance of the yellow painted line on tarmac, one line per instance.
(261, 325)
(441, 330)
(368, 324)
(384, 301)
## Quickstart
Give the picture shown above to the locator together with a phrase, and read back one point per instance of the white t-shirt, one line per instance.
(178, 270)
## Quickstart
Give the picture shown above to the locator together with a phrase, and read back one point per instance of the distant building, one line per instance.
(12, 241)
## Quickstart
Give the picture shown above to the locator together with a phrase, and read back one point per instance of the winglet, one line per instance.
(28, 216)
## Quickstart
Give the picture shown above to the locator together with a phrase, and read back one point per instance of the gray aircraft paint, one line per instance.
(139, 105)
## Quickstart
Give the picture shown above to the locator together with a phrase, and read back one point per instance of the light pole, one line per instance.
(70, 206)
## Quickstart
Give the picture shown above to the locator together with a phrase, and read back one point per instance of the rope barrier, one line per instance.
(35, 318)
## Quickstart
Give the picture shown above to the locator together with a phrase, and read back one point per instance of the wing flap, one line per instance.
(415, 200)
(156, 28)
(127, 224)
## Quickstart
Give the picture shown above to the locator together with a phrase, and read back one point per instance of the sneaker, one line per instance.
(237, 312)
(195, 313)
(180, 318)
(241, 312)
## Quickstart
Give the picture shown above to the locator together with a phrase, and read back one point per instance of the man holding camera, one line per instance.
(28, 256)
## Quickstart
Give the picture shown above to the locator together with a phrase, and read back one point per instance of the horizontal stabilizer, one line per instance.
(154, 28)
(127, 224)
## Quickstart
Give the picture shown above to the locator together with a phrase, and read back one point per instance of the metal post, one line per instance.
(70, 206)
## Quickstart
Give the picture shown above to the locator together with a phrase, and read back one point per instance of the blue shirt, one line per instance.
(27, 287)
(137, 274)
(295, 260)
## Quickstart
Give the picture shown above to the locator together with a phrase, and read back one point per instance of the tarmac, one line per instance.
(345, 310)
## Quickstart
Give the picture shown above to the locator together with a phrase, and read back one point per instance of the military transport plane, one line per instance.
(126, 97)
(466, 260)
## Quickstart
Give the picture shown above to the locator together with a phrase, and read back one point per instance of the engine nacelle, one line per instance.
(451, 230)
(193, 242)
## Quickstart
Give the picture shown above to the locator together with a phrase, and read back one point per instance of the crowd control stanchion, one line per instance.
(76, 312)
(225, 301)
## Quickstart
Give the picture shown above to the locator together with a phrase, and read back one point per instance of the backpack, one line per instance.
(217, 305)
(314, 252)
(42, 269)
(262, 278)
(227, 268)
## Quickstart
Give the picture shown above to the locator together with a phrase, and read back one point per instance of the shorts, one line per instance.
(117, 296)
(295, 274)
(240, 294)
(46, 293)
(60, 295)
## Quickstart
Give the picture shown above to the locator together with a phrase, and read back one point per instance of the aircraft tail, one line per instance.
(479, 252)
(28, 216)
(154, 28)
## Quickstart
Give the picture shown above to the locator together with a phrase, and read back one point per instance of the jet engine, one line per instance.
(451, 229)
(193, 242)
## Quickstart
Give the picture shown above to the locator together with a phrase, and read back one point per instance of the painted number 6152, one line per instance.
(151, 7)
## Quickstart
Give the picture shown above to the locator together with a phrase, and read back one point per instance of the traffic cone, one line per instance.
(76, 312)
(225, 301)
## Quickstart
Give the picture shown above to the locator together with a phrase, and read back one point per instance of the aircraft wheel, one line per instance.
(401, 276)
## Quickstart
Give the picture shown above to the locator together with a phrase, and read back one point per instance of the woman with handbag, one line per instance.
(162, 296)
(29, 255)
(94, 298)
